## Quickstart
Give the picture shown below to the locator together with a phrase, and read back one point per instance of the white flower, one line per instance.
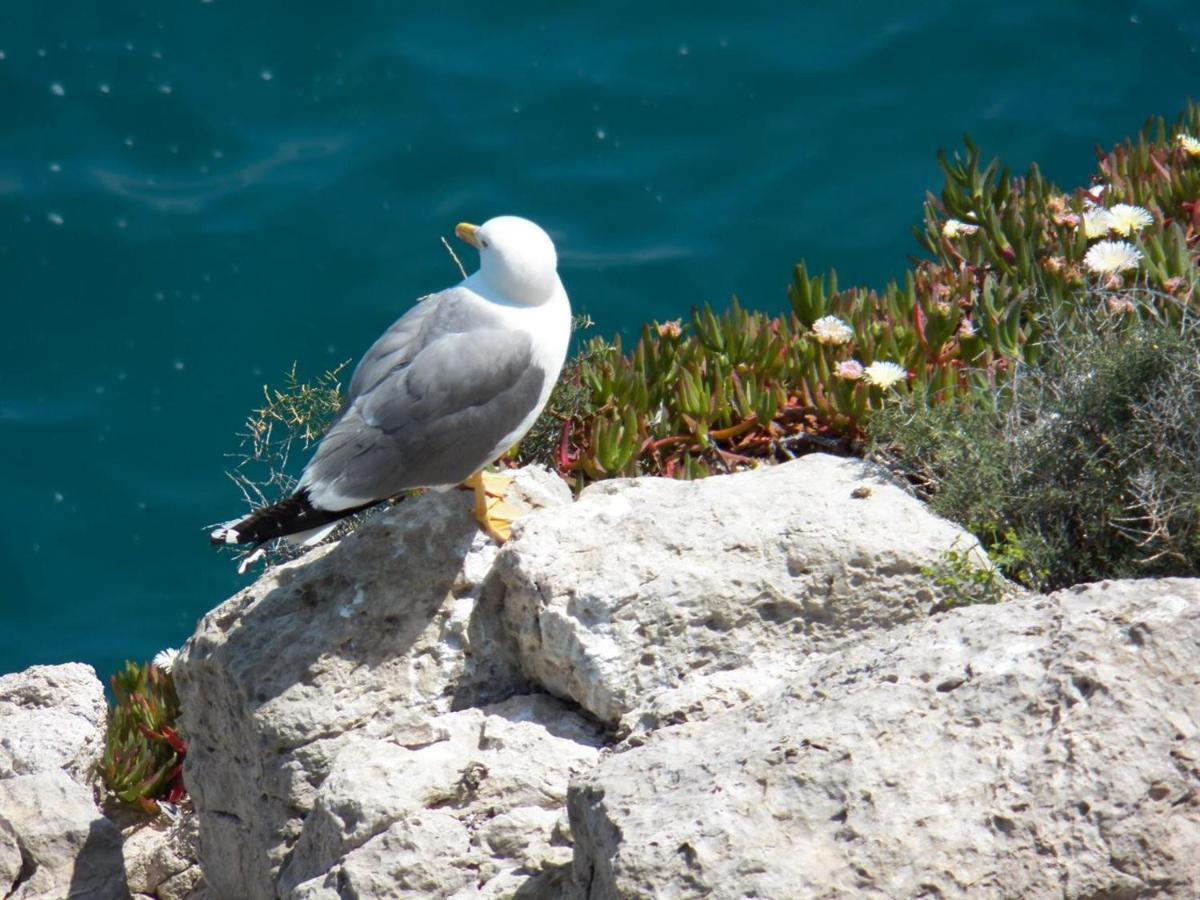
(849, 369)
(1093, 194)
(1190, 145)
(1110, 257)
(884, 374)
(165, 659)
(832, 330)
(1097, 222)
(953, 228)
(1126, 219)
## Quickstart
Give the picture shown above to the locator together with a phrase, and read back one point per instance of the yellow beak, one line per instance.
(468, 233)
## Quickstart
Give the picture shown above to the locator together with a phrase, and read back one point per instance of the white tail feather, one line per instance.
(225, 533)
(312, 536)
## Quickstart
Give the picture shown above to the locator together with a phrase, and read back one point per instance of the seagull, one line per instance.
(453, 384)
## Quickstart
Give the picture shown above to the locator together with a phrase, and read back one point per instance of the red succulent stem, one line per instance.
(175, 788)
(566, 460)
(723, 434)
(919, 324)
(171, 736)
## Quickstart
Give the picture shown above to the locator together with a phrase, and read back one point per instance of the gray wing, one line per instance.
(427, 405)
(445, 312)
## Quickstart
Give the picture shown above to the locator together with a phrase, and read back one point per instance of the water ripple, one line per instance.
(199, 193)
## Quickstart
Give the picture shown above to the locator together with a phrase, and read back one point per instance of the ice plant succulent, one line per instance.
(1111, 257)
(832, 330)
(165, 659)
(884, 374)
(1097, 222)
(954, 228)
(849, 369)
(1126, 219)
(723, 391)
(143, 753)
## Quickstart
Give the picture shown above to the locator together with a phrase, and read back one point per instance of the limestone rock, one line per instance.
(370, 721)
(1043, 747)
(161, 856)
(53, 839)
(646, 583)
(52, 717)
(10, 856)
(369, 642)
(66, 847)
(483, 803)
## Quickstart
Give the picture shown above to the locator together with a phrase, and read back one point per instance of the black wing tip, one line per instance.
(290, 516)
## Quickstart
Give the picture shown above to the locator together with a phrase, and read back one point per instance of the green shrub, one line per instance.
(1087, 465)
(964, 581)
(299, 413)
(143, 753)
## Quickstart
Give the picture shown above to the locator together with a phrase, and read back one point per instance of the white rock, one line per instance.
(10, 856)
(409, 858)
(482, 803)
(1044, 747)
(51, 718)
(161, 856)
(369, 721)
(646, 583)
(340, 673)
(67, 848)
(185, 885)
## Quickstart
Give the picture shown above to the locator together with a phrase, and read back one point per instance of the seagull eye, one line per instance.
(483, 243)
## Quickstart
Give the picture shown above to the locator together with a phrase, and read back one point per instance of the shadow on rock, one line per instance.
(364, 639)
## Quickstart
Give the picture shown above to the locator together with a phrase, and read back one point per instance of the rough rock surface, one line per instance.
(373, 720)
(645, 584)
(354, 651)
(54, 842)
(161, 856)
(52, 717)
(1045, 747)
(10, 857)
(67, 849)
(485, 801)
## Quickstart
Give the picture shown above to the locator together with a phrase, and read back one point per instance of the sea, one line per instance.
(197, 194)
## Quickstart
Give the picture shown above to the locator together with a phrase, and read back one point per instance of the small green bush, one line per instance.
(299, 413)
(964, 581)
(1086, 466)
(143, 753)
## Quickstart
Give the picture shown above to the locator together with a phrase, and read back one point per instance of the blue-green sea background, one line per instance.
(193, 195)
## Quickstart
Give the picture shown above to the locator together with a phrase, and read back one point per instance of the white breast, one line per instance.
(550, 326)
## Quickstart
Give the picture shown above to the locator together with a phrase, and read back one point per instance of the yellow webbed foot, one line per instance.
(491, 511)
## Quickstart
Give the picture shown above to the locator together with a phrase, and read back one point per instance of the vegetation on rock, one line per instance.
(299, 413)
(143, 753)
(995, 327)
(1012, 258)
(1084, 467)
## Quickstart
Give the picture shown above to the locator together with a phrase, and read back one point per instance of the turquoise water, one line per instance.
(195, 194)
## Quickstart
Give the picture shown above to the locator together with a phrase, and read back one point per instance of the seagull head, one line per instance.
(517, 262)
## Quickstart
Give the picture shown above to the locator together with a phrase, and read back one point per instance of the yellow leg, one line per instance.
(491, 511)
